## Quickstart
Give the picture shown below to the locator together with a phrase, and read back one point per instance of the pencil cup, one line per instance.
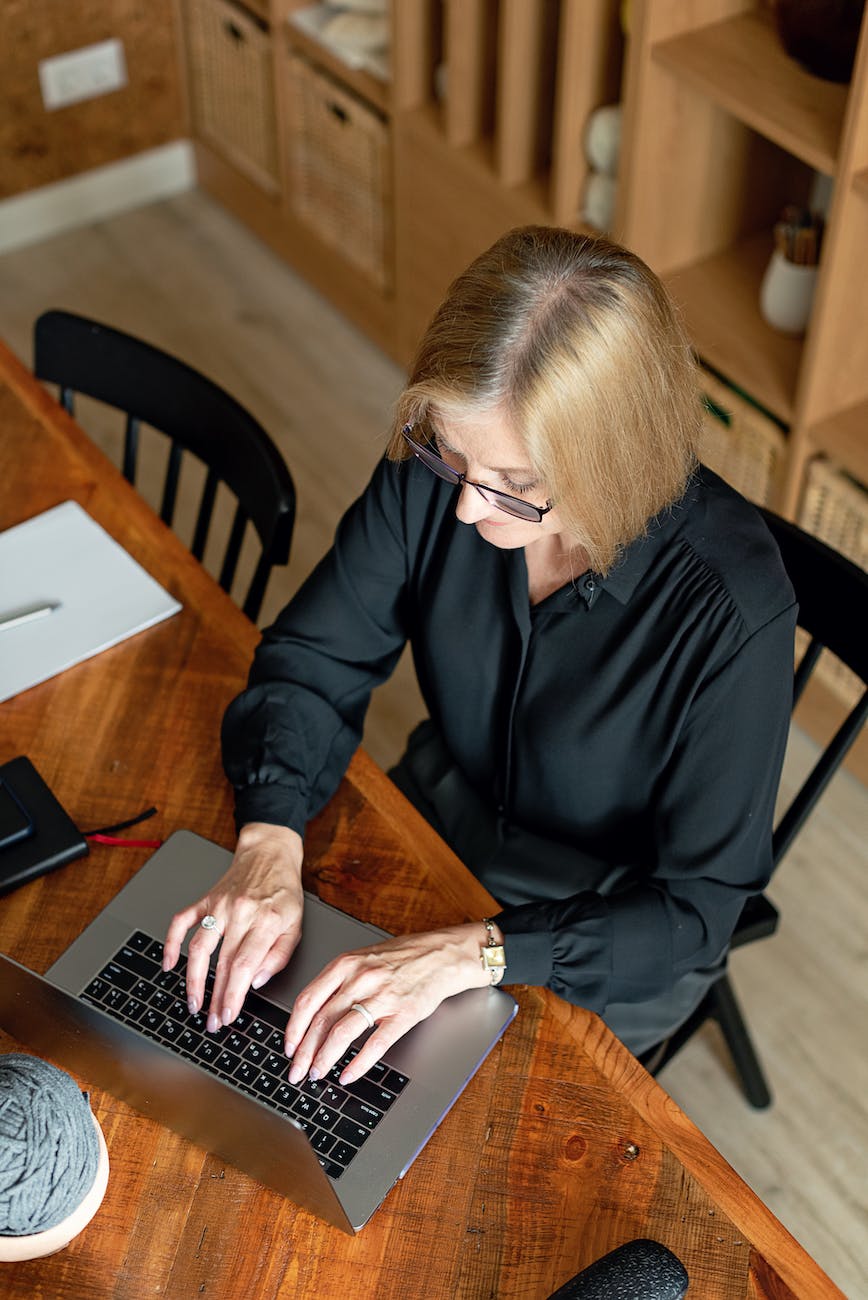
(786, 294)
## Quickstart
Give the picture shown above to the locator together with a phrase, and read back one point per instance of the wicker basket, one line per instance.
(340, 175)
(740, 443)
(232, 87)
(835, 509)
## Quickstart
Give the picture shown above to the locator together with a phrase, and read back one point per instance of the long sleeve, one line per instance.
(287, 739)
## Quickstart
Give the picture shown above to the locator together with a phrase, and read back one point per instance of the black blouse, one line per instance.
(613, 752)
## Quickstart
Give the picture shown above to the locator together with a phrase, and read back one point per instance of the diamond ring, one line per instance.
(208, 922)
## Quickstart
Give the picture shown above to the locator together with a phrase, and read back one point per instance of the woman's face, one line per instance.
(489, 451)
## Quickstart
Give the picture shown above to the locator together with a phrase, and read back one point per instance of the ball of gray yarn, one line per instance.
(49, 1150)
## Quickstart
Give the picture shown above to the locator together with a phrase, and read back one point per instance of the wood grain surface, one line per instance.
(560, 1149)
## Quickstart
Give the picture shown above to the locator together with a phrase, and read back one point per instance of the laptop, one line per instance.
(107, 1011)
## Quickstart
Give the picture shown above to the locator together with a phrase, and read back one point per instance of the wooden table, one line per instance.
(559, 1150)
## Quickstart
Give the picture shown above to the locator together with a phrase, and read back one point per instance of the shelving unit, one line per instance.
(483, 119)
(722, 129)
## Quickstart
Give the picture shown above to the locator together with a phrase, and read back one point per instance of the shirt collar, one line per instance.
(625, 576)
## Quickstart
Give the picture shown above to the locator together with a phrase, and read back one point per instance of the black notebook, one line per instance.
(36, 833)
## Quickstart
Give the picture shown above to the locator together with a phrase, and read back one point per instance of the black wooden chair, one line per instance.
(155, 389)
(833, 609)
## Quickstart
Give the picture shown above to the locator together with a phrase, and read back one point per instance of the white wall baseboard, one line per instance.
(97, 194)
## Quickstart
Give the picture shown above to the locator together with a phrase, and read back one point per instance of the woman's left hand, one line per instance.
(400, 982)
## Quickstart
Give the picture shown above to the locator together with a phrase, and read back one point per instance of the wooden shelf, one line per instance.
(741, 66)
(374, 90)
(844, 438)
(719, 297)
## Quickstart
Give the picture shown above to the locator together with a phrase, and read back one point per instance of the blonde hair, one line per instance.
(575, 340)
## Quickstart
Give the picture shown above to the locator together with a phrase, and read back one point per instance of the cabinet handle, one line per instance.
(233, 30)
(340, 113)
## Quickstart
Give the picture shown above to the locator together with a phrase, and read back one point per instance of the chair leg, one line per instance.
(726, 1011)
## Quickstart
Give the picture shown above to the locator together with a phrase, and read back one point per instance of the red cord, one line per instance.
(128, 844)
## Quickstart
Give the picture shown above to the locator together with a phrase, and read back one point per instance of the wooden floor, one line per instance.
(184, 275)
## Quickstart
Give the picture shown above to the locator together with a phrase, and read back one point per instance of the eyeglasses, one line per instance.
(501, 500)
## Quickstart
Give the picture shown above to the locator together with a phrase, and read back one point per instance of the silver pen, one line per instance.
(18, 617)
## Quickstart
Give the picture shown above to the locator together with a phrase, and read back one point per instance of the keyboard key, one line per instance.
(160, 999)
(114, 999)
(255, 1052)
(366, 1090)
(265, 1084)
(323, 1142)
(139, 941)
(333, 1170)
(284, 1095)
(326, 1093)
(117, 976)
(275, 1064)
(275, 1041)
(343, 1153)
(304, 1106)
(235, 1042)
(132, 1009)
(226, 1062)
(246, 1072)
(259, 1030)
(136, 962)
(351, 1132)
(208, 1050)
(394, 1080)
(361, 1112)
(155, 952)
(325, 1117)
(95, 989)
(188, 1041)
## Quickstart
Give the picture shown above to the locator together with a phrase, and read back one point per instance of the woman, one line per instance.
(603, 635)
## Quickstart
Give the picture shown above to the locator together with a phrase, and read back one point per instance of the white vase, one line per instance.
(786, 294)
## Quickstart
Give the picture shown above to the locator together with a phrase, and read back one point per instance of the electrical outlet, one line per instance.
(82, 74)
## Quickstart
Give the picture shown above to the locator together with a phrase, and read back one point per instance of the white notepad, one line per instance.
(64, 557)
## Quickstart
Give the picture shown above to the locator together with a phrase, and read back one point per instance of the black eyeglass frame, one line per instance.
(510, 505)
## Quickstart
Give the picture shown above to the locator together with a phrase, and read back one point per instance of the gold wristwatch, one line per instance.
(492, 955)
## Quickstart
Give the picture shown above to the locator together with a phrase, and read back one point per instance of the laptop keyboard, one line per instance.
(337, 1119)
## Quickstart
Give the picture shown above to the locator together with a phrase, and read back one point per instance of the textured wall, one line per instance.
(37, 147)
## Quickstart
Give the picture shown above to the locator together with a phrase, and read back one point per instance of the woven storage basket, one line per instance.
(739, 442)
(232, 87)
(835, 509)
(340, 170)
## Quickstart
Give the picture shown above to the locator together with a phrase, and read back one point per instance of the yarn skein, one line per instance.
(49, 1150)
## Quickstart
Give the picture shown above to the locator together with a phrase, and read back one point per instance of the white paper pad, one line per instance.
(104, 595)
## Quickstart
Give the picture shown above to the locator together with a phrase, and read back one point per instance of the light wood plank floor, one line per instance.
(184, 275)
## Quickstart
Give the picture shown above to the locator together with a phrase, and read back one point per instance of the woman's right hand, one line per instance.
(258, 906)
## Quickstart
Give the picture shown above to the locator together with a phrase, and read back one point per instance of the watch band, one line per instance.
(492, 955)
